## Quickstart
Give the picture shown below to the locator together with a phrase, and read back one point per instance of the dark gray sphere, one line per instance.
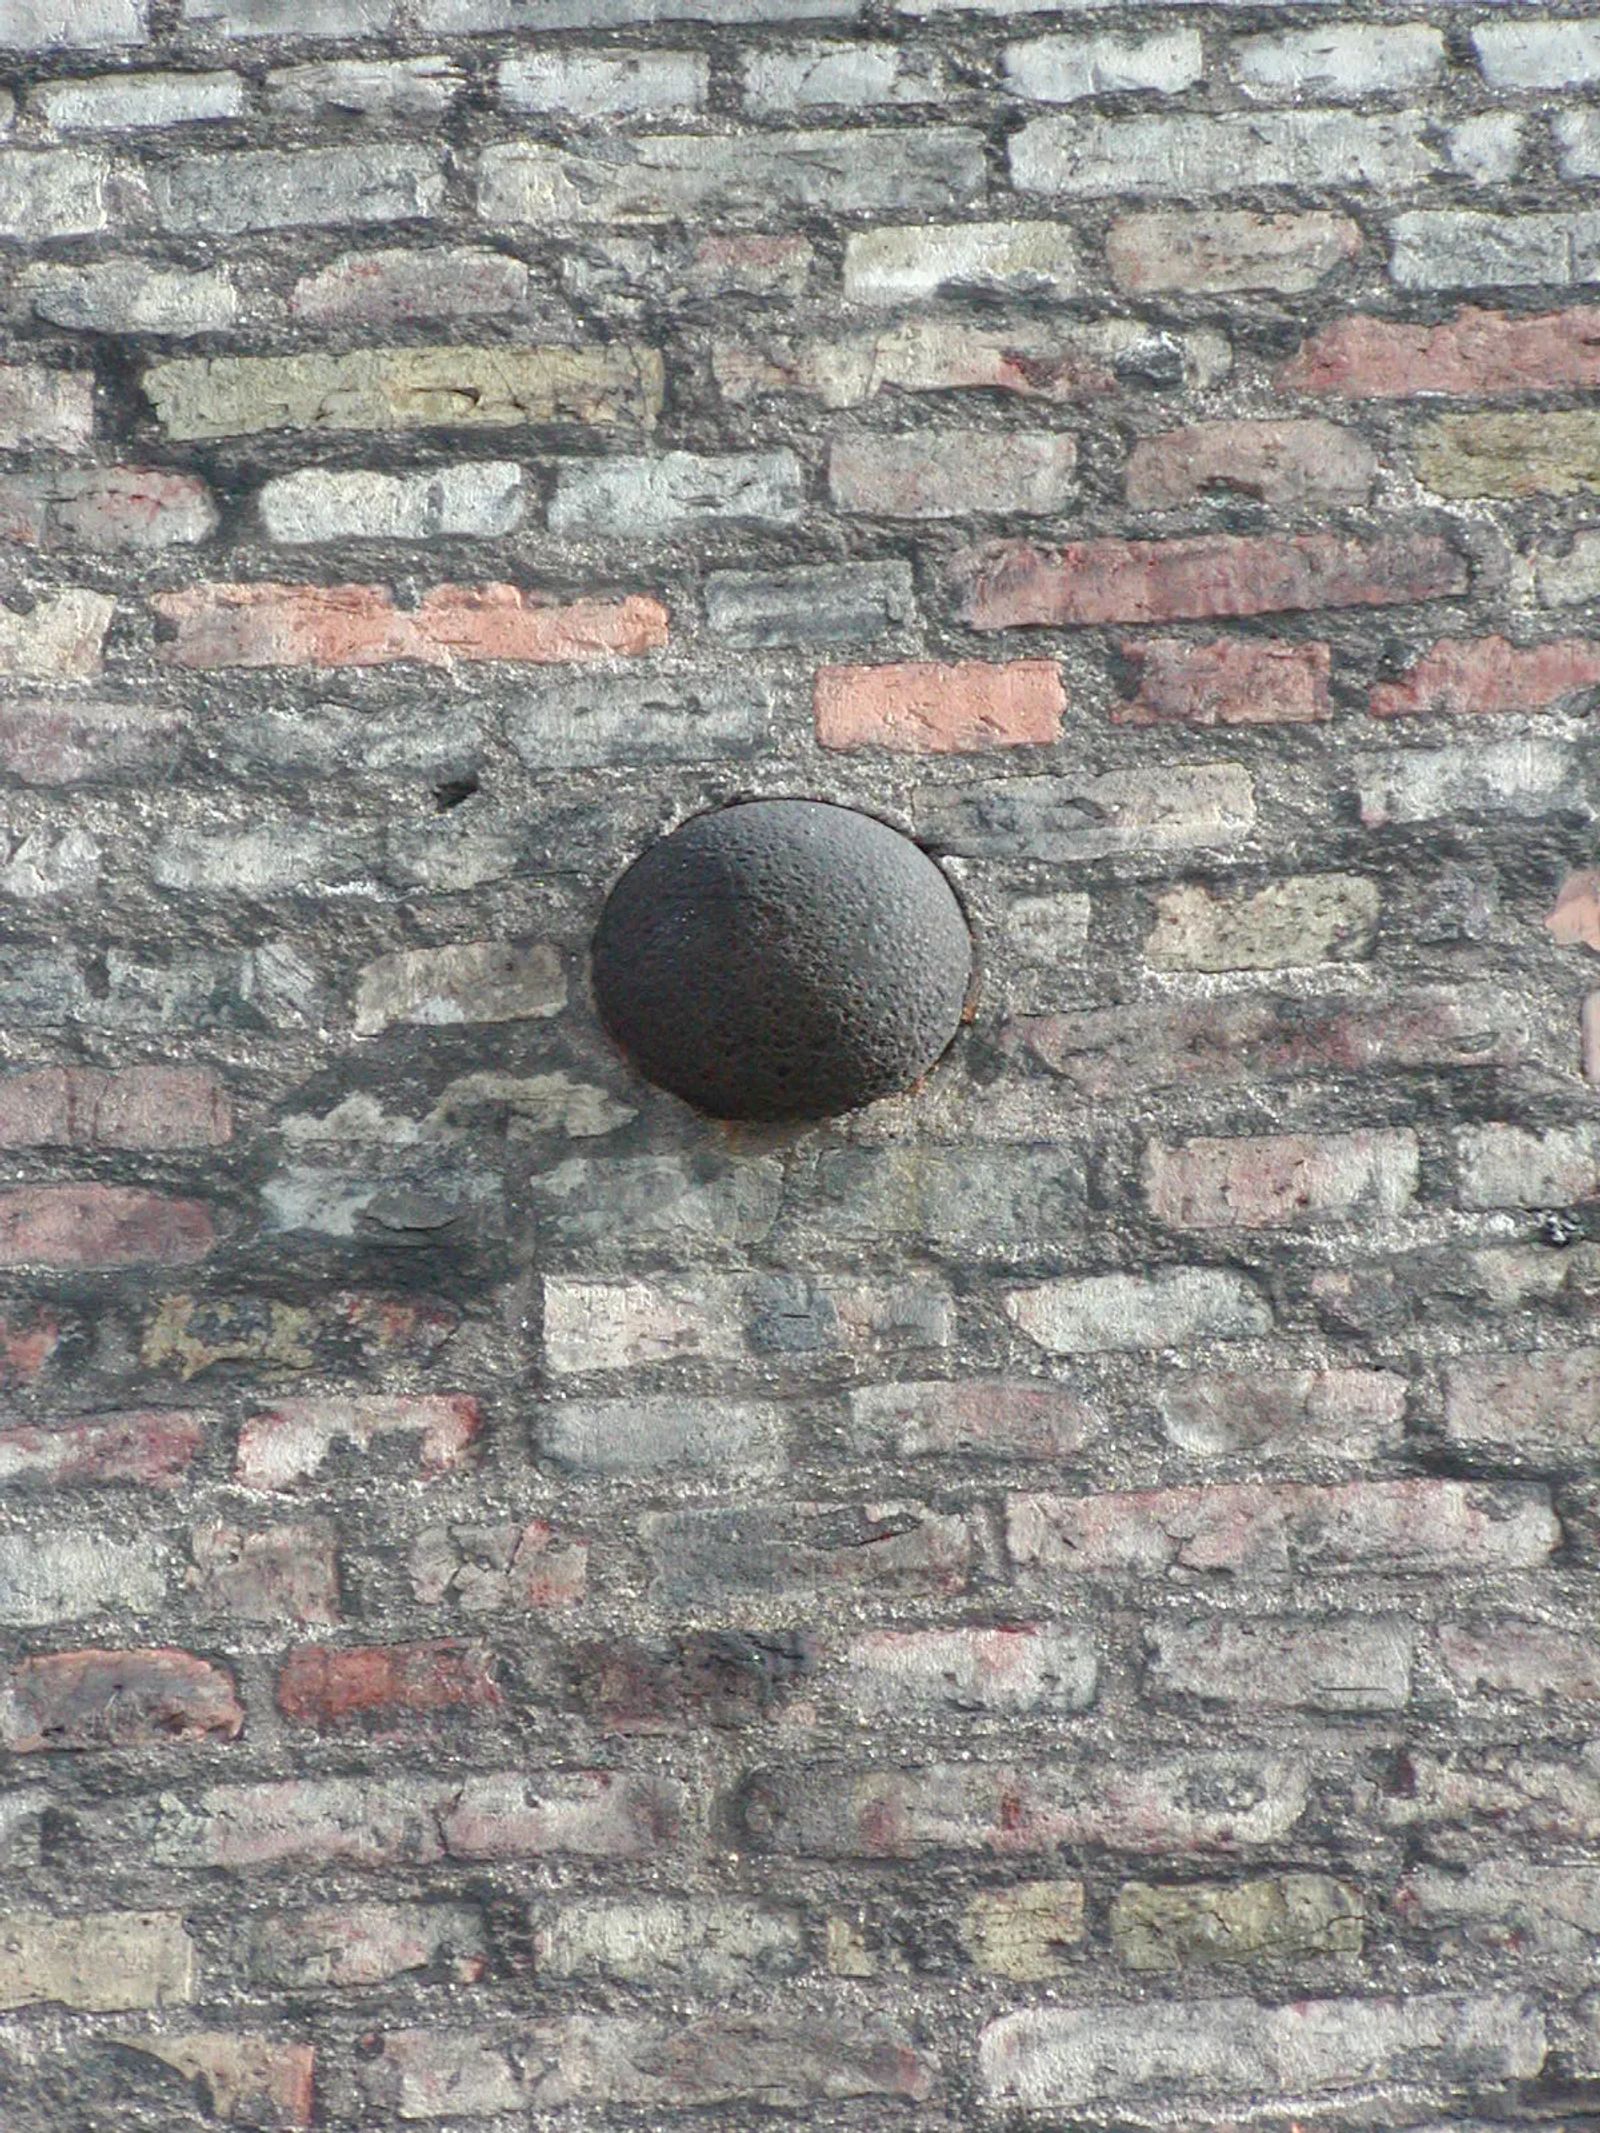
(782, 959)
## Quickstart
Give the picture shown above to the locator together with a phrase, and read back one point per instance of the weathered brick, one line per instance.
(982, 1418)
(1538, 55)
(151, 1446)
(469, 981)
(1280, 1916)
(1066, 70)
(711, 1944)
(42, 25)
(1287, 1529)
(1339, 1413)
(338, 1329)
(889, 1673)
(1063, 2059)
(662, 1433)
(287, 1444)
(132, 296)
(405, 388)
(46, 741)
(1552, 454)
(106, 508)
(1019, 1932)
(58, 639)
(802, 76)
(266, 189)
(1013, 585)
(922, 708)
(1521, 1166)
(115, 102)
(122, 1699)
(1074, 817)
(1504, 1791)
(483, 498)
(1589, 1036)
(275, 625)
(1344, 62)
(1188, 1804)
(598, 1814)
(586, 85)
(103, 1962)
(90, 1226)
(457, 16)
(1525, 777)
(1528, 1660)
(328, 1686)
(800, 1550)
(67, 1577)
(1218, 252)
(1449, 248)
(1116, 1311)
(391, 288)
(1510, 1904)
(1340, 1663)
(639, 498)
(1057, 363)
(371, 88)
(1472, 356)
(358, 1944)
(614, 1325)
(907, 263)
(1280, 463)
(282, 1574)
(720, 1678)
(290, 18)
(1566, 579)
(245, 2079)
(1233, 681)
(51, 410)
(1307, 919)
(1218, 154)
(52, 192)
(1276, 1180)
(483, 1569)
(1468, 676)
(778, 2061)
(623, 718)
(823, 603)
(90, 1107)
(952, 474)
(671, 176)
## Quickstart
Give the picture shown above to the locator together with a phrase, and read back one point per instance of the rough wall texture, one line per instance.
(1069, 1597)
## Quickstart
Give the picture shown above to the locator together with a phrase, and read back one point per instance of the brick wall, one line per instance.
(1069, 1597)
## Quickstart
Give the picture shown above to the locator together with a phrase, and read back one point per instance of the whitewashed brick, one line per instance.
(583, 85)
(645, 496)
(51, 192)
(1194, 154)
(904, 264)
(132, 296)
(118, 102)
(1537, 54)
(40, 25)
(1342, 61)
(366, 88)
(317, 504)
(1064, 70)
(270, 189)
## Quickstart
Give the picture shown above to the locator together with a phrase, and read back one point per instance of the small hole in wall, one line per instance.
(453, 791)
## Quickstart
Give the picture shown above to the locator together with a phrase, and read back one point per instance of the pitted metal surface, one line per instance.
(782, 959)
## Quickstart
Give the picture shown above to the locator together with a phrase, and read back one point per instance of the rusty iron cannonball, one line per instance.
(782, 959)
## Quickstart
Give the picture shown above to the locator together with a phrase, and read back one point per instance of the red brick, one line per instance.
(138, 1107)
(1278, 463)
(1474, 355)
(922, 708)
(1233, 681)
(1274, 1180)
(105, 508)
(47, 741)
(154, 1446)
(721, 1678)
(273, 625)
(1574, 918)
(90, 1226)
(324, 1685)
(287, 1444)
(286, 1574)
(1286, 1528)
(30, 1337)
(1462, 676)
(1526, 1659)
(240, 2079)
(97, 1699)
(1012, 585)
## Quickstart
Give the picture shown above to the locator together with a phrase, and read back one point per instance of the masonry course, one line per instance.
(1064, 1597)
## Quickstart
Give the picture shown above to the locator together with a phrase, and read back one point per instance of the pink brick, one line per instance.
(391, 288)
(923, 708)
(106, 508)
(287, 1574)
(1011, 585)
(1544, 1399)
(30, 1339)
(329, 1686)
(1463, 677)
(1277, 1180)
(1475, 355)
(272, 625)
(1232, 681)
(240, 2078)
(286, 1445)
(50, 741)
(100, 1699)
(1285, 464)
(136, 1107)
(89, 1226)
(1574, 918)
(154, 1446)
(1228, 249)
(1523, 1659)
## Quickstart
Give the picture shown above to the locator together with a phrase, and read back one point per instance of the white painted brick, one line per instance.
(291, 18)
(1062, 70)
(365, 88)
(799, 76)
(1442, 248)
(1538, 55)
(1194, 154)
(51, 192)
(114, 102)
(582, 85)
(1342, 62)
(318, 504)
(68, 1577)
(639, 495)
(41, 25)
(904, 264)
